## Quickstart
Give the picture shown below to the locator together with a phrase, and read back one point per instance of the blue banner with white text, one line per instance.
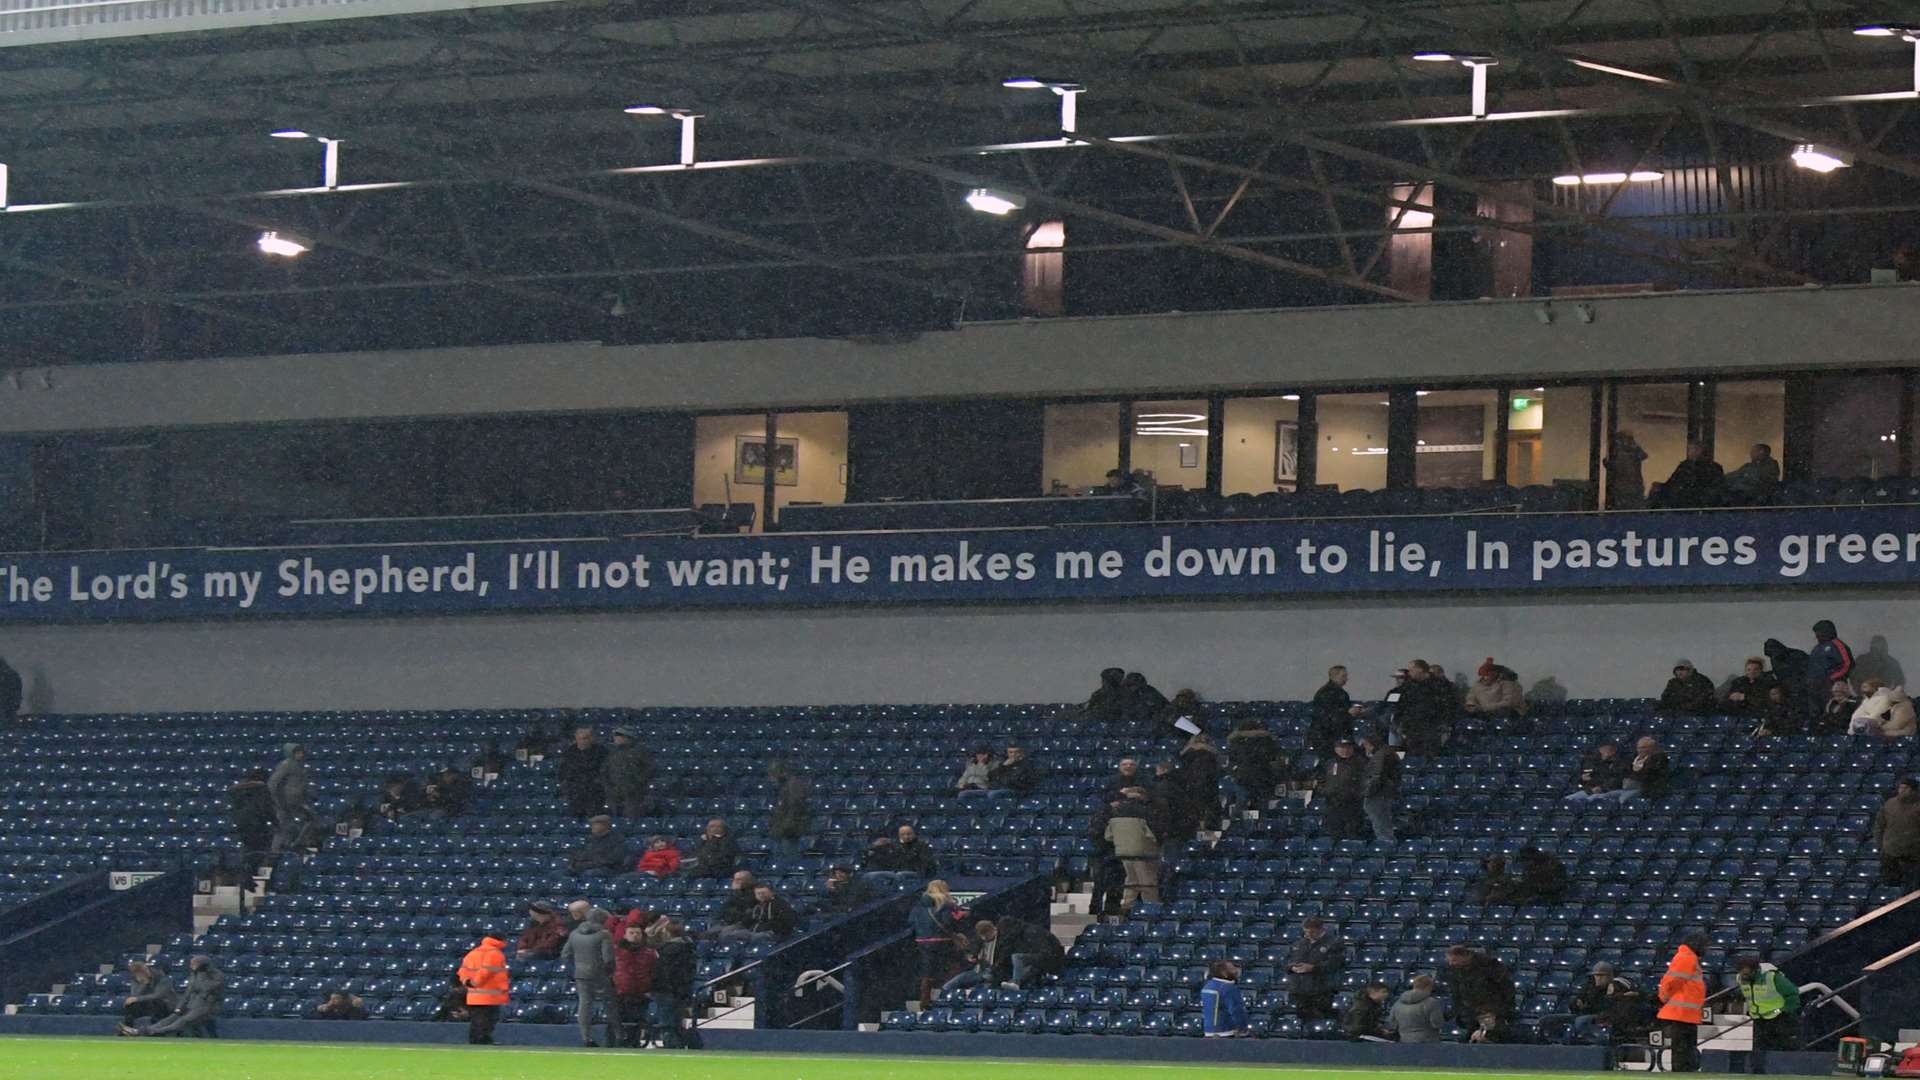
(1758, 550)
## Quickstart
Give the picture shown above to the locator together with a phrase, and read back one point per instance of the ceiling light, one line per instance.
(289, 133)
(1820, 159)
(1068, 93)
(330, 154)
(998, 203)
(1477, 62)
(688, 119)
(1641, 176)
(1421, 393)
(285, 245)
(1289, 397)
(1901, 32)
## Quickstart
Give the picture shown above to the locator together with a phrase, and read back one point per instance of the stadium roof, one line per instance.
(492, 187)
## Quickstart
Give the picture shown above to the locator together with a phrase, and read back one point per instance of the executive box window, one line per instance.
(731, 459)
(1353, 440)
(1169, 442)
(1080, 444)
(1549, 434)
(1649, 438)
(1454, 443)
(1855, 425)
(1747, 412)
(1262, 452)
(950, 450)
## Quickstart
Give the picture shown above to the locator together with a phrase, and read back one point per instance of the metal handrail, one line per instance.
(798, 985)
(1832, 995)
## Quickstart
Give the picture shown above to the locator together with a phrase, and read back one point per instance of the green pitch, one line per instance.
(194, 1059)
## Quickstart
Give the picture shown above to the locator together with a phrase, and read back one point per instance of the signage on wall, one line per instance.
(1469, 554)
(122, 880)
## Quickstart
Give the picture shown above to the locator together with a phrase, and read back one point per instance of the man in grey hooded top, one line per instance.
(206, 990)
(590, 948)
(291, 792)
(1417, 1017)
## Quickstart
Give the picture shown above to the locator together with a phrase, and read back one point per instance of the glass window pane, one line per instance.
(1080, 445)
(1453, 437)
(730, 458)
(1548, 432)
(1747, 415)
(1170, 442)
(1856, 425)
(1353, 440)
(1262, 452)
(1650, 439)
(816, 471)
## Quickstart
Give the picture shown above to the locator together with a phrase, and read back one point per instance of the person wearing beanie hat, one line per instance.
(545, 933)
(291, 791)
(1828, 662)
(1688, 693)
(627, 776)
(605, 851)
(1603, 1007)
(1496, 694)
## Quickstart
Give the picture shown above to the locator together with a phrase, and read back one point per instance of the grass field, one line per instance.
(171, 1059)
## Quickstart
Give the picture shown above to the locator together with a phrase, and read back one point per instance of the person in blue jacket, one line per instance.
(1829, 661)
(1222, 1008)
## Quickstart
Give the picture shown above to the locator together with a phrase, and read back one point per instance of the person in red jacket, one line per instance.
(633, 961)
(484, 974)
(546, 931)
(662, 858)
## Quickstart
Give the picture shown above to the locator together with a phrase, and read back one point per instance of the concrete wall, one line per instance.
(1161, 355)
(1619, 645)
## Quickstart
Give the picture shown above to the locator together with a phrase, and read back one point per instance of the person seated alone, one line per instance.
(546, 931)
(846, 893)
(1543, 878)
(718, 854)
(1781, 718)
(1015, 775)
(1688, 693)
(451, 793)
(1366, 1018)
(1747, 694)
(605, 851)
(1755, 481)
(909, 854)
(341, 1005)
(661, 860)
(1496, 693)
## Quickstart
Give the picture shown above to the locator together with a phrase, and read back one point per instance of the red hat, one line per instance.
(1488, 669)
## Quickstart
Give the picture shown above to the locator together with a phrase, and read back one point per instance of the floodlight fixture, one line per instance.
(997, 203)
(1638, 176)
(1821, 159)
(284, 245)
(1478, 63)
(1068, 93)
(1908, 34)
(329, 149)
(688, 120)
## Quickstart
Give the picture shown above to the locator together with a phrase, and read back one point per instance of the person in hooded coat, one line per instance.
(627, 776)
(1107, 705)
(1789, 666)
(590, 950)
(1141, 705)
(1256, 763)
(291, 792)
(1828, 662)
(251, 808)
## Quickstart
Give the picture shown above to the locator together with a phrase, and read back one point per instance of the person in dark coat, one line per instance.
(1333, 713)
(450, 794)
(1836, 718)
(1477, 983)
(291, 790)
(1107, 706)
(717, 854)
(673, 975)
(845, 892)
(908, 854)
(1543, 878)
(1026, 953)
(1747, 694)
(12, 693)
(1343, 790)
(1141, 705)
(1828, 662)
(1697, 481)
(1196, 783)
(399, 796)
(341, 1005)
(1016, 774)
(546, 931)
(1426, 710)
(151, 997)
(605, 851)
(1626, 484)
(1256, 764)
(627, 776)
(1314, 965)
(197, 1011)
(579, 773)
(792, 820)
(1128, 776)
(1379, 786)
(1602, 770)
(1688, 693)
(1789, 665)
(252, 810)
(767, 920)
(1366, 1018)
(1184, 716)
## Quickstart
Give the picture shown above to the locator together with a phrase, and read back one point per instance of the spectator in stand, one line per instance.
(1343, 789)
(739, 898)
(627, 776)
(1366, 1018)
(1490, 1029)
(1836, 715)
(1626, 487)
(1496, 884)
(1602, 771)
(1688, 693)
(1543, 878)
(672, 987)
(1754, 482)
(1885, 711)
(983, 954)
(846, 893)
(1314, 965)
(634, 958)
(1126, 776)
(1896, 832)
(577, 913)
(1137, 845)
(1747, 694)
(12, 693)
(1649, 775)
(1477, 983)
(1781, 717)
(1697, 481)
(1829, 661)
(791, 824)
(341, 1005)
(252, 813)
(771, 919)
(450, 794)
(1333, 712)
(1142, 708)
(1107, 705)
(1223, 1009)
(661, 860)
(973, 778)
(1426, 710)
(1789, 665)
(1417, 1017)
(546, 932)
(717, 854)
(605, 851)
(1109, 873)
(1255, 763)
(197, 1011)
(1496, 694)
(589, 949)
(1030, 952)
(909, 854)
(1196, 786)
(935, 920)
(1605, 1001)
(1380, 785)
(1185, 716)
(1772, 1002)
(291, 792)
(151, 997)
(400, 796)
(582, 765)
(1683, 1003)
(1015, 776)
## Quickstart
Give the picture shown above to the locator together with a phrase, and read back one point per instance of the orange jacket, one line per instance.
(1683, 990)
(484, 973)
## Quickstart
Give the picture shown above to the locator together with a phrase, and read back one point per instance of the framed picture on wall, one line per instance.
(750, 460)
(1286, 451)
